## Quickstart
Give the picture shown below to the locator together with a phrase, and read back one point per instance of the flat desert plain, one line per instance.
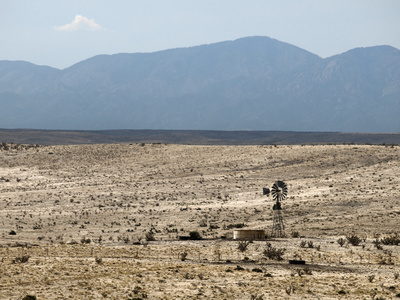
(108, 221)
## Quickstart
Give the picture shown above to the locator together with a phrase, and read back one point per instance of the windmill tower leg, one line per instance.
(278, 228)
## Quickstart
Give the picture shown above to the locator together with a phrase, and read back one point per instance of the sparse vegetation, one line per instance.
(195, 235)
(307, 271)
(309, 244)
(391, 240)
(274, 253)
(238, 225)
(377, 244)
(184, 255)
(150, 236)
(120, 193)
(257, 270)
(290, 289)
(242, 246)
(21, 259)
(295, 234)
(239, 268)
(99, 260)
(341, 242)
(354, 240)
(256, 297)
(85, 240)
(203, 223)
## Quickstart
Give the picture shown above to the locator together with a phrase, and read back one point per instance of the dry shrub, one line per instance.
(391, 240)
(150, 236)
(274, 253)
(183, 256)
(242, 246)
(354, 239)
(257, 270)
(295, 234)
(21, 259)
(194, 235)
(238, 225)
(99, 260)
(85, 240)
(377, 244)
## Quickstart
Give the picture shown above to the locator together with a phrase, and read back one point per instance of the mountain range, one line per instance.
(253, 83)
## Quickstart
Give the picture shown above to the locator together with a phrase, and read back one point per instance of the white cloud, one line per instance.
(80, 22)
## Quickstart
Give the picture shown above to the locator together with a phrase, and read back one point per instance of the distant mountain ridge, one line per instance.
(253, 83)
(194, 137)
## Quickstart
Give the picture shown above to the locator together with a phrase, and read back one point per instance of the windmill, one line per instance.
(279, 193)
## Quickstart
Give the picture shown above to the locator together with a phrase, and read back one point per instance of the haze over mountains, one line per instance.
(253, 83)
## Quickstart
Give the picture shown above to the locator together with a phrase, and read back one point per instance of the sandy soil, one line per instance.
(78, 222)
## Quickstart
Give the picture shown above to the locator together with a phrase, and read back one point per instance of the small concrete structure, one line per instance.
(249, 234)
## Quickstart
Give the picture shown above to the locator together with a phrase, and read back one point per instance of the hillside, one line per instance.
(253, 83)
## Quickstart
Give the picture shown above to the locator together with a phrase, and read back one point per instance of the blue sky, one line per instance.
(59, 33)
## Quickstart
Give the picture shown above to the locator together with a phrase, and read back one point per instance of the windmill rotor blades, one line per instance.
(279, 190)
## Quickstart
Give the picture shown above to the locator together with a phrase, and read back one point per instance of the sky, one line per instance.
(60, 33)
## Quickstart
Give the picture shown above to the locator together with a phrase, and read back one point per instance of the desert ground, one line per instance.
(108, 221)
